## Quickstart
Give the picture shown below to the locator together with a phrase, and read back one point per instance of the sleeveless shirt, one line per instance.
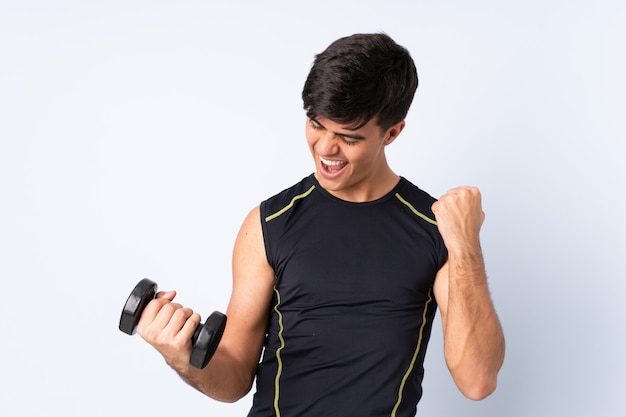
(353, 304)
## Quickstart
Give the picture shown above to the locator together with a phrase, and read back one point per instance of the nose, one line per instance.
(327, 143)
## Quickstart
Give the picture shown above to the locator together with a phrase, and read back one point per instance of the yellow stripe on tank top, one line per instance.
(279, 360)
(417, 213)
(417, 349)
(290, 205)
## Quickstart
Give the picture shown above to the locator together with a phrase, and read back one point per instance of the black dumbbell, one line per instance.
(205, 338)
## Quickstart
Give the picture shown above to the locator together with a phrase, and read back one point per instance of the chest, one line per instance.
(368, 257)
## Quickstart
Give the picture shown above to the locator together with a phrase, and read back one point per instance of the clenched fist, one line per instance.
(168, 326)
(459, 216)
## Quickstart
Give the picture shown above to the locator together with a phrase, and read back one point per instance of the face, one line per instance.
(350, 163)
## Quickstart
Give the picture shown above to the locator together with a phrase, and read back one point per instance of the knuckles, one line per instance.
(182, 314)
(168, 309)
(462, 193)
(163, 321)
(459, 209)
(458, 197)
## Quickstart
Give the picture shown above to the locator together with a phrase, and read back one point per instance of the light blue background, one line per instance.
(136, 135)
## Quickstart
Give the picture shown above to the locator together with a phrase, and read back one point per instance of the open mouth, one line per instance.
(332, 166)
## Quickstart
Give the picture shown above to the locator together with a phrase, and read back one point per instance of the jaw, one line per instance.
(334, 177)
(341, 181)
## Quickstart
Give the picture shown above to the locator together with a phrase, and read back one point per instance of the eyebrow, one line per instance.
(354, 136)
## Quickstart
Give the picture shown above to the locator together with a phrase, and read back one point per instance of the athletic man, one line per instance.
(336, 279)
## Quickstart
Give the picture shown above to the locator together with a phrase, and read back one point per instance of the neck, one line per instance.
(367, 189)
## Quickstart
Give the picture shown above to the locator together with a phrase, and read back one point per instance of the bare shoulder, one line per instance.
(253, 277)
(251, 225)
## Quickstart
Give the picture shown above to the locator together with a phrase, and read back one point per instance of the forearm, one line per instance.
(474, 342)
(223, 379)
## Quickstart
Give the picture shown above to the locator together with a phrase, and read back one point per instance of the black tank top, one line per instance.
(353, 303)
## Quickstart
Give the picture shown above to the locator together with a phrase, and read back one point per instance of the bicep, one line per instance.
(253, 283)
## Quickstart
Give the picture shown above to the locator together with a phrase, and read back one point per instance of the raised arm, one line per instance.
(168, 326)
(473, 338)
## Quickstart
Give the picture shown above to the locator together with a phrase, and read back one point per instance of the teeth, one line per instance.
(331, 163)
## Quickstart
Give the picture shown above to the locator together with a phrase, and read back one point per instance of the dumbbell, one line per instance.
(205, 338)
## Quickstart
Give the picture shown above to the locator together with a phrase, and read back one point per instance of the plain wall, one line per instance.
(136, 135)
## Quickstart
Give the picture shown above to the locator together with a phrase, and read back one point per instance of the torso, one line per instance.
(353, 304)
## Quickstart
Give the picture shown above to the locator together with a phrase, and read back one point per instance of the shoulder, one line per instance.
(418, 201)
(284, 200)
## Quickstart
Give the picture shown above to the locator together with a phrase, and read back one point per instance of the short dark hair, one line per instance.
(360, 77)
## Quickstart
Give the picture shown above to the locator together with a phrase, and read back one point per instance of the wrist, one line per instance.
(466, 263)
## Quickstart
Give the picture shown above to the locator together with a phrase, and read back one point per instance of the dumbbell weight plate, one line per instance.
(141, 295)
(206, 338)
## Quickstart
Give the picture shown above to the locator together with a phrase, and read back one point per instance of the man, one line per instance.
(336, 280)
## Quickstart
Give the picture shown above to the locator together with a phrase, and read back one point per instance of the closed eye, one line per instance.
(349, 139)
(315, 125)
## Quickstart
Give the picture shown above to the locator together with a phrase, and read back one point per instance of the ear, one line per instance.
(393, 132)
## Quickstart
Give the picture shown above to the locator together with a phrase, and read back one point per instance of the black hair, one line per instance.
(360, 77)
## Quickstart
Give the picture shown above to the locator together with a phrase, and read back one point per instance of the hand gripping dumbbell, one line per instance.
(205, 338)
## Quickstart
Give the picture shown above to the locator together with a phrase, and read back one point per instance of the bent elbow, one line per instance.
(231, 395)
(479, 390)
(228, 397)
